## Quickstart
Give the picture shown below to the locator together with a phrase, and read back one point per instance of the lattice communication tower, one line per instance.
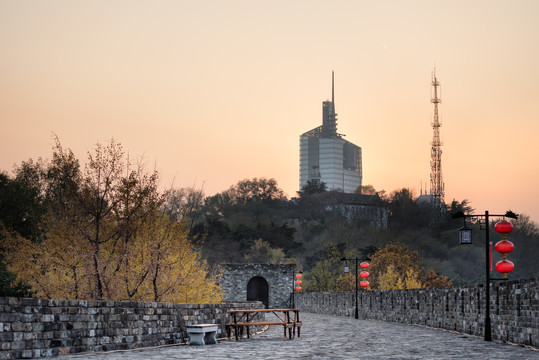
(437, 190)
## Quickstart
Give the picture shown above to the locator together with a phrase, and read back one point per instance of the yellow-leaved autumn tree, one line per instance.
(347, 282)
(397, 267)
(390, 280)
(108, 238)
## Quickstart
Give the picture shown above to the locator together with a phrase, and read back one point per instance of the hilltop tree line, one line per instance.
(108, 232)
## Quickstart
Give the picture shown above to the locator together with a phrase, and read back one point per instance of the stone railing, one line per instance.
(31, 328)
(514, 308)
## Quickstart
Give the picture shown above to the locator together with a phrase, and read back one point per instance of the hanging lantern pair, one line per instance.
(504, 247)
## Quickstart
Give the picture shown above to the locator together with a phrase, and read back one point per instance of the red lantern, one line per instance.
(504, 267)
(298, 288)
(364, 274)
(364, 283)
(298, 282)
(504, 246)
(503, 227)
(364, 265)
(298, 276)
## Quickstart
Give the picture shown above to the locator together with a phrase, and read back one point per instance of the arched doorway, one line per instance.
(258, 290)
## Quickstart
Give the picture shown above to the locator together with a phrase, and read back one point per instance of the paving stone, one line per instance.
(334, 337)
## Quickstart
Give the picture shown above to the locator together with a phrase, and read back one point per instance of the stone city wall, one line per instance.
(280, 279)
(31, 328)
(514, 308)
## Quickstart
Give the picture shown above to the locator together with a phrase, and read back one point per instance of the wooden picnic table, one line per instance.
(288, 318)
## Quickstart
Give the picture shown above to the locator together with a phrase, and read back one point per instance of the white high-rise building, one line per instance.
(326, 156)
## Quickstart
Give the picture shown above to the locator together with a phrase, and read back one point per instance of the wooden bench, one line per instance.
(202, 334)
(240, 319)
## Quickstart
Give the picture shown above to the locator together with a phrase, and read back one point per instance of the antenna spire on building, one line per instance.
(329, 117)
(332, 89)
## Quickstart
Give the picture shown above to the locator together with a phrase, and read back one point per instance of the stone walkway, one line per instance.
(332, 337)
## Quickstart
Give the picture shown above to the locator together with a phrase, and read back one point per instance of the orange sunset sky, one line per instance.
(213, 92)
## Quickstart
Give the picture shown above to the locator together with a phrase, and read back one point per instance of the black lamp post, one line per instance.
(346, 270)
(465, 236)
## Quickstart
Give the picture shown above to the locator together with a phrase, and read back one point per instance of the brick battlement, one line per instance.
(514, 308)
(31, 328)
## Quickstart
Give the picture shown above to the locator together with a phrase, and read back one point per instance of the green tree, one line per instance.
(9, 284)
(262, 253)
(371, 191)
(326, 272)
(233, 220)
(262, 189)
(463, 206)
(405, 212)
(21, 200)
(21, 213)
(312, 186)
(62, 178)
(366, 190)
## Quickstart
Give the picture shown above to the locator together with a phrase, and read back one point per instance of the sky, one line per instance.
(214, 92)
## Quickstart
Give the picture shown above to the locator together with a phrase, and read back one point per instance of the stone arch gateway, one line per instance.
(272, 284)
(258, 290)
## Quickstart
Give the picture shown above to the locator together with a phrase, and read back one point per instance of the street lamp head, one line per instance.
(346, 267)
(465, 235)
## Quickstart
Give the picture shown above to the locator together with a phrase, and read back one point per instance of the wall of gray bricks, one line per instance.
(514, 308)
(31, 328)
(280, 278)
